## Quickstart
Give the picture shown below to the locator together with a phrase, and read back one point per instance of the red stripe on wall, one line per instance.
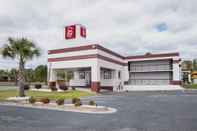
(79, 48)
(152, 55)
(86, 57)
(72, 58)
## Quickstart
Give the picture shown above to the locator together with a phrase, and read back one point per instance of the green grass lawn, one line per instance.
(191, 86)
(51, 95)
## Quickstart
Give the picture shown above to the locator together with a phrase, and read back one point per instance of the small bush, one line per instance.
(60, 101)
(73, 88)
(52, 86)
(75, 100)
(32, 100)
(63, 87)
(45, 100)
(26, 87)
(38, 86)
(78, 103)
(92, 103)
(52, 83)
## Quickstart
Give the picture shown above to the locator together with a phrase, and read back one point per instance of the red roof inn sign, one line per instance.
(83, 31)
(72, 30)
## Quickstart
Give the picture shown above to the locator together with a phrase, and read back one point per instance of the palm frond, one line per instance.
(20, 48)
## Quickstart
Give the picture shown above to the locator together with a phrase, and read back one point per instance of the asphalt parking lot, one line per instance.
(152, 111)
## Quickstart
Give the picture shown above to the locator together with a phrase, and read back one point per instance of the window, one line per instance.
(60, 75)
(107, 75)
(81, 75)
(69, 75)
(119, 75)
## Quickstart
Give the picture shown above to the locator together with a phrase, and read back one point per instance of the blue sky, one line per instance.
(129, 27)
(161, 27)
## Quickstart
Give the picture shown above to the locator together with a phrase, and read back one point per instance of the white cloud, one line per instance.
(128, 27)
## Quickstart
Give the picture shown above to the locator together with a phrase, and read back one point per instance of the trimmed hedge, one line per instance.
(38, 86)
(52, 86)
(74, 100)
(32, 100)
(78, 103)
(45, 100)
(92, 103)
(60, 101)
(63, 87)
(26, 87)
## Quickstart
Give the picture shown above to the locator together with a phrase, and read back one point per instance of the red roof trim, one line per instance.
(57, 51)
(87, 47)
(109, 51)
(152, 55)
(96, 46)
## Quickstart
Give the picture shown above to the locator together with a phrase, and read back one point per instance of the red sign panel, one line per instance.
(70, 32)
(83, 32)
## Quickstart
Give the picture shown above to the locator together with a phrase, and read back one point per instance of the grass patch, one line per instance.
(7, 93)
(51, 95)
(190, 86)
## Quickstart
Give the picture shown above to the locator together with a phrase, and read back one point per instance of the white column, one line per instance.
(52, 75)
(189, 78)
(125, 74)
(76, 75)
(176, 71)
(115, 75)
(95, 73)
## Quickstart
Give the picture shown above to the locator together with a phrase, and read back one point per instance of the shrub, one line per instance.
(45, 100)
(32, 100)
(26, 87)
(60, 101)
(92, 103)
(52, 86)
(63, 87)
(78, 103)
(38, 86)
(73, 88)
(75, 100)
(60, 81)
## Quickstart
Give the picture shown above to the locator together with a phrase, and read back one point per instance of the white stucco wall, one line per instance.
(96, 63)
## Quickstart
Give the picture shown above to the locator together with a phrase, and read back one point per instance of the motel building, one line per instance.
(96, 67)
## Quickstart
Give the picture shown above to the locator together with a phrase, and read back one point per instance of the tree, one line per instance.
(69, 75)
(187, 65)
(41, 73)
(195, 65)
(13, 75)
(22, 50)
(4, 75)
(29, 75)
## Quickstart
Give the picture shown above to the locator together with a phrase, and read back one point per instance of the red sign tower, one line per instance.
(75, 31)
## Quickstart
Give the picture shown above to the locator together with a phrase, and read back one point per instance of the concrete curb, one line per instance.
(111, 110)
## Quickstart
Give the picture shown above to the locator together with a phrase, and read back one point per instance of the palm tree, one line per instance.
(22, 50)
(13, 75)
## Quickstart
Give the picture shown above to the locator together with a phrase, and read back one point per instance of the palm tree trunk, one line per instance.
(21, 80)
